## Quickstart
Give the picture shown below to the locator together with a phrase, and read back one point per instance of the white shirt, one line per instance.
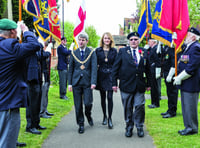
(137, 54)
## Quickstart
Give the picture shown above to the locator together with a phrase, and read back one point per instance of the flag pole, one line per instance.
(20, 16)
(63, 16)
(175, 62)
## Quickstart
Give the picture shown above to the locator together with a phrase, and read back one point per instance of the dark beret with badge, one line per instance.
(6, 24)
(133, 34)
(194, 30)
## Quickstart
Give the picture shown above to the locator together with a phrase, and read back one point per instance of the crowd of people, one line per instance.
(25, 80)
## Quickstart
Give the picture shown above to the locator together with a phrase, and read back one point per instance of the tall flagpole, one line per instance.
(20, 16)
(63, 16)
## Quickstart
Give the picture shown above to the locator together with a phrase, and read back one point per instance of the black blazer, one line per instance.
(88, 74)
(132, 77)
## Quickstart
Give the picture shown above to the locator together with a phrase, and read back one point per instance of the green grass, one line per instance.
(165, 131)
(58, 107)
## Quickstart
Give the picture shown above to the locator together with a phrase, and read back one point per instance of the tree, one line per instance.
(194, 12)
(69, 28)
(3, 7)
(93, 37)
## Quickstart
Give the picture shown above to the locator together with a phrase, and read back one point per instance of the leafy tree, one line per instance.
(68, 32)
(93, 37)
(194, 12)
(3, 7)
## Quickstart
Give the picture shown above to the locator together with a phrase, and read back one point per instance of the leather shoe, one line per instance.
(49, 114)
(64, 98)
(140, 132)
(164, 113)
(169, 115)
(41, 127)
(44, 116)
(90, 121)
(104, 122)
(152, 106)
(20, 144)
(128, 133)
(81, 129)
(110, 125)
(187, 131)
(33, 131)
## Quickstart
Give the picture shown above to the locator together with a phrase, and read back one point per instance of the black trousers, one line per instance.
(154, 91)
(33, 108)
(172, 94)
(82, 95)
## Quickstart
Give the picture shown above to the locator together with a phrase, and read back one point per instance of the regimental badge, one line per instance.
(128, 51)
(167, 56)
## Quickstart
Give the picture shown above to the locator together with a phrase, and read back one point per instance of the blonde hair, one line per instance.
(112, 43)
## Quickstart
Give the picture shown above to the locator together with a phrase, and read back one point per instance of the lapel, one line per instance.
(129, 55)
(78, 53)
(87, 51)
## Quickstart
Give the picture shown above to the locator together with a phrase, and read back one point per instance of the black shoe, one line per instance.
(44, 116)
(168, 115)
(152, 106)
(128, 133)
(64, 98)
(165, 113)
(33, 131)
(49, 114)
(90, 121)
(39, 127)
(104, 122)
(110, 125)
(140, 132)
(81, 129)
(20, 144)
(187, 131)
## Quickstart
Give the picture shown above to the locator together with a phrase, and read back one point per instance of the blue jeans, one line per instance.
(63, 75)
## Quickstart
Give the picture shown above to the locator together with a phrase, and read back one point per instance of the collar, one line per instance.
(82, 49)
(136, 49)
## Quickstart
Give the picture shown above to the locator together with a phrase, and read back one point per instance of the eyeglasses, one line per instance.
(133, 39)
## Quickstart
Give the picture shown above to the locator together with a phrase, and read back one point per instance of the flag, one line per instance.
(171, 16)
(80, 23)
(145, 21)
(179, 22)
(45, 18)
(158, 33)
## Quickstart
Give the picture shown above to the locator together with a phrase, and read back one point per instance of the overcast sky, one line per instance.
(104, 15)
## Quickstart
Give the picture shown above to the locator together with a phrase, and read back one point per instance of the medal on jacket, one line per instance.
(106, 55)
(106, 59)
(82, 67)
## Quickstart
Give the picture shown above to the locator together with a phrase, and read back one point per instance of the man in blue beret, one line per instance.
(189, 82)
(132, 68)
(13, 92)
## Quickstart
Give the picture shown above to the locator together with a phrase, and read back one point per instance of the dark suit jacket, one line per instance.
(190, 62)
(131, 76)
(63, 55)
(88, 74)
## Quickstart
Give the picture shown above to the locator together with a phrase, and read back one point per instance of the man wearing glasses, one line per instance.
(132, 69)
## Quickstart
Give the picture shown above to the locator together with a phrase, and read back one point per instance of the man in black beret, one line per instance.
(132, 68)
(188, 81)
(13, 92)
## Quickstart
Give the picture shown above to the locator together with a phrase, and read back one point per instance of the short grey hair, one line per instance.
(5, 32)
(83, 35)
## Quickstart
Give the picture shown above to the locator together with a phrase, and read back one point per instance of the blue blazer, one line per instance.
(63, 57)
(88, 74)
(132, 77)
(190, 62)
(13, 89)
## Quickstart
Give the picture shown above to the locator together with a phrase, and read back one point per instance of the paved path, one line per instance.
(65, 135)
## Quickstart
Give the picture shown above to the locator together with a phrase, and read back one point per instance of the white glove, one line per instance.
(158, 71)
(72, 46)
(146, 46)
(49, 47)
(41, 41)
(174, 35)
(182, 76)
(170, 74)
(19, 31)
(159, 47)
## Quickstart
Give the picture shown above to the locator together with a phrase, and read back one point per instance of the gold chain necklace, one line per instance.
(82, 62)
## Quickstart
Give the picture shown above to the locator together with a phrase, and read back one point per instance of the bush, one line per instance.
(54, 77)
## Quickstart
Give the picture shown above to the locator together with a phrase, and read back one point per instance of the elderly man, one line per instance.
(83, 78)
(188, 79)
(132, 67)
(13, 92)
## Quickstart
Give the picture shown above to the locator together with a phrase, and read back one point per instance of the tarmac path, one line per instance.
(66, 135)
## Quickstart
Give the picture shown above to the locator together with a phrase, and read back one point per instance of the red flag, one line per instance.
(54, 21)
(80, 24)
(175, 18)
